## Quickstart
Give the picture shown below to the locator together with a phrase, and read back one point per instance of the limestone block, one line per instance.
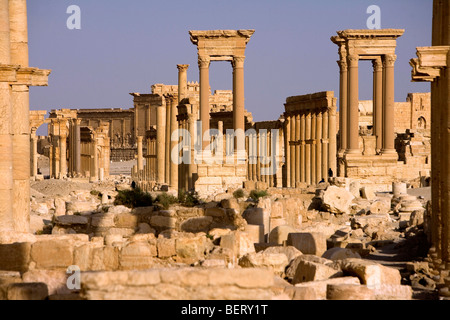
(71, 220)
(56, 280)
(137, 256)
(53, 254)
(238, 242)
(230, 203)
(279, 234)
(355, 188)
(60, 207)
(392, 292)
(337, 200)
(417, 218)
(144, 228)
(368, 193)
(216, 233)
(82, 207)
(340, 254)
(118, 210)
(274, 261)
(27, 291)
(370, 273)
(124, 232)
(125, 220)
(15, 256)
(301, 293)
(166, 247)
(290, 252)
(258, 216)
(313, 271)
(110, 239)
(255, 232)
(349, 292)
(308, 242)
(216, 212)
(163, 222)
(320, 287)
(104, 259)
(380, 207)
(277, 210)
(103, 220)
(7, 278)
(194, 225)
(190, 250)
(373, 220)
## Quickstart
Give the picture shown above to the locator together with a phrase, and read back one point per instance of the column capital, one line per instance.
(33, 132)
(182, 67)
(238, 61)
(377, 65)
(342, 65)
(389, 60)
(353, 60)
(204, 61)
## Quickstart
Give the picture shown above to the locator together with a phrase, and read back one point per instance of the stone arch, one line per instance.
(421, 123)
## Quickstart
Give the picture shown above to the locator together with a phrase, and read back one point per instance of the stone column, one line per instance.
(378, 102)
(238, 105)
(302, 148)
(389, 104)
(353, 104)
(94, 174)
(343, 106)
(297, 150)
(292, 147)
(192, 130)
(288, 151)
(313, 148)
(167, 140)
(182, 81)
(19, 32)
(63, 150)
(324, 144)
(34, 153)
(203, 63)
(308, 148)
(173, 143)
(140, 156)
(160, 143)
(319, 120)
(136, 122)
(332, 148)
(77, 147)
(147, 117)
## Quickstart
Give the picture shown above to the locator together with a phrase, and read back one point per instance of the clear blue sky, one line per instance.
(126, 46)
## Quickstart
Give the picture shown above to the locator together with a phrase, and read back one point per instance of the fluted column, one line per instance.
(182, 81)
(353, 106)
(297, 149)
(77, 147)
(160, 143)
(332, 149)
(239, 104)
(389, 104)
(94, 172)
(140, 156)
(63, 151)
(302, 148)
(19, 32)
(308, 148)
(174, 138)
(313, 148)
(192, 130)
(203, 63)
(288, 151)
(378, 102)
(292, 147)
(343, 105)
(167, 140)
(34, 153)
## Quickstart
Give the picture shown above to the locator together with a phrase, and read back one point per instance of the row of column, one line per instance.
(310, 147)
(384, 100)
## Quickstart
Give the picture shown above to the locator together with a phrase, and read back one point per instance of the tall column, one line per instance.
(332, 148)
(389, 102)
(324, 144)
(94, 157)
(203, 63)
(140, 156)
(292, 147)
(182, 81)
(297, 149)
(63, 149)
(288, 151)
(147, 117)
(302, 148)
(77, 147)
(136, 122)
(308, 148)
(319, 120)
(19, 32)
(167, 140)
(313, 148)
(353, 103)
(34, 153)
(343, 106)
(193, 116)
(173, 143)
(160, 143)
(378, 102)
(238, 105)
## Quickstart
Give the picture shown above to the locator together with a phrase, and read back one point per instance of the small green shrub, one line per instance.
(239, 193)
(256, 194)
(188, 199)
(165, 200)
(95, 193)
(133, 198)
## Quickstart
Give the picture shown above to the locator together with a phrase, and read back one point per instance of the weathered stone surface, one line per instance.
(320, 287)
(280, 234)
(103, 220)
(313, 271)
(379, 207)
(164, 222)
(56, 280)
(290, 252)
(124, 232)
(118, 210)
(125, 220)
(416, 218)
(275, 261)
(82, 207)
(27, 291)
(190, 250)
(392, 292)
(238, 242)
(144, 228)
(71, 220)
(166, 248)
(15, 257)
(200, 224)
(370, 273)
(137, 256)
(216, 212)
(308, 243)
(349, 292)
(337, 200)
(340, 254)
(53, 254)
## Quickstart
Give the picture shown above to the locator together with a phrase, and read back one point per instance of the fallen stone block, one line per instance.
(337, 200)
(392, 292)
(349, 292)
(71, 220)
(290, 252)
(308, 242)
(27, 291)
(313, 271)
(166, 248)
(52, 254)
(274, 261)
(320, 287)
(238, 242)
(199, 224)
(190, 250)
(279, 234)
(340, 254)
(125, 220)
(137, 256)
(55, 280)
(15, 257)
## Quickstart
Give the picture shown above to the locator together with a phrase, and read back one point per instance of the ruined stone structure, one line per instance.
(310, 146)
(15, 79)
(432, 65)
(37, 118)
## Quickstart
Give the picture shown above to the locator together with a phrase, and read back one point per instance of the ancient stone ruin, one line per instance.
(185, 197)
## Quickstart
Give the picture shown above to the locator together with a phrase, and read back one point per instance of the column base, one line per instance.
(388, 151)
(353, 151)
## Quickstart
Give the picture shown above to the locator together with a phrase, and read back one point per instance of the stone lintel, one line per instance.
(382, 34)
(427, 67)
(33, 77)
(210, 34)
